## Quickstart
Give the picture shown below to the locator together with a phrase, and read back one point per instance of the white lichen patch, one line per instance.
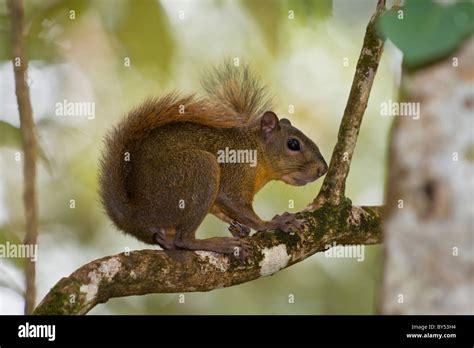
(274, 259)
(215, 259)
(107, 270)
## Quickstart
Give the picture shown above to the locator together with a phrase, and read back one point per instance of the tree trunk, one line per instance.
(428, 227)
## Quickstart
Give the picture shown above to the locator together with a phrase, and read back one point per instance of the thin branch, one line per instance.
(152, 271)
(20, 67)
(334, 185)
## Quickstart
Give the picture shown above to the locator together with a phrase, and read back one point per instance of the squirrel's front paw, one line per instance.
(287, 222)
(238, 230)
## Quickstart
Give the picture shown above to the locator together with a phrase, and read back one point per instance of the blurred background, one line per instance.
(116, 53)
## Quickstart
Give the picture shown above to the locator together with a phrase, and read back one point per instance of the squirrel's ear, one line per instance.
(285, 121)
(269, 124)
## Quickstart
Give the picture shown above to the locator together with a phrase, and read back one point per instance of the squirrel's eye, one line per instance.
(293, 144)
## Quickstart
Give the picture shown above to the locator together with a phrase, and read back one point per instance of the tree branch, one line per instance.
(20, 67)
(334, 184)
(152, 271)
(331, 220)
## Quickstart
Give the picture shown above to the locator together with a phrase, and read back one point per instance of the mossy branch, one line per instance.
(152, 271)
(332, 219)
(334, 185)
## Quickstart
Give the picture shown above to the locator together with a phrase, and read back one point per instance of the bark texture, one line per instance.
(429, 259)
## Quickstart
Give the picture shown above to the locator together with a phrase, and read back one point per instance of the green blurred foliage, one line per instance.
(46, 24)
(144, 35)
(304, 12)
(9, 233)
(310, 12)
(11, 137)
(138, 29)
(425, 30)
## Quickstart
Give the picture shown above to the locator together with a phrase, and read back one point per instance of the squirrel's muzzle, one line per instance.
(322, 168)
(310, 174)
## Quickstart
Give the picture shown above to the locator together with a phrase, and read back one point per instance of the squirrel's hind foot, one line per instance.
(164, 238)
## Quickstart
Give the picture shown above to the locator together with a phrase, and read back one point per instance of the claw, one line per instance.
(238, 230)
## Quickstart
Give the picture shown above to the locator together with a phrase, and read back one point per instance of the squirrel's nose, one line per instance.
(322, 169)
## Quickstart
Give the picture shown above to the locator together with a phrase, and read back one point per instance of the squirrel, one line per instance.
(160, 173)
